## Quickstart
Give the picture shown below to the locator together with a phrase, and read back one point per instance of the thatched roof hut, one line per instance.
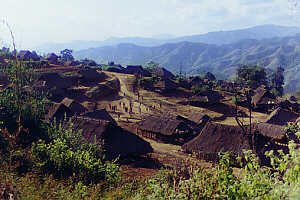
(207, 97)
(74, 106)
(116, 141)
(52, 58)
(198, 117)
(100, 115)
(164, 85)
(53, 79)
(163, 73)
(136, 69)
(100, 91)
(196, 81)
(165, 126)
(165, 129)
(89, 75)
(262, 99)
(59, 111)
(281, 117)
(272, 131)
(27, 55)
(215, 138)
(115, 68)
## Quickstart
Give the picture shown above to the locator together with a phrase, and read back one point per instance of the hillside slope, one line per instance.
(219, 59)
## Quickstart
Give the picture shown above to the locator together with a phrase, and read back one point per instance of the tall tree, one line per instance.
(251, 76)
(66, 55)
(278, 81)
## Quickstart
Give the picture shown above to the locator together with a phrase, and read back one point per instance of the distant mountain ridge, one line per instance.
(222, 60)
(218, 38)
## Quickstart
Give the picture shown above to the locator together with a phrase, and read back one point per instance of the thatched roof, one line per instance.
(165, 84)
(52, 57)
(74, 106)
(100, 115)
(136, 69)
(163, 73)
(215, 138)
(281, 117)
(206, 97)
(91, 75)
(270, 130)
(163, 125)
(116, 68)
(59, 111)
(262, 96)
(198, 117)
(116, 141)
(53, 79)
(91, 127)
(196, 81)
(100, 91)
(27, 55)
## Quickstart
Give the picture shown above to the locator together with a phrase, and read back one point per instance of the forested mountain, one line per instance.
(222, 59)
(220, 37)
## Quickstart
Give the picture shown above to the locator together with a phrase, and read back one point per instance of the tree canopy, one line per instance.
(251, 76)
(66, 55)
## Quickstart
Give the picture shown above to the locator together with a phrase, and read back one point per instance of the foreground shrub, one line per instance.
(68, 154)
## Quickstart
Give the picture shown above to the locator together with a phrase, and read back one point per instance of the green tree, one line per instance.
(21, 107)
(251, 76)
(278, 81)
(66, 55)
(150, 66)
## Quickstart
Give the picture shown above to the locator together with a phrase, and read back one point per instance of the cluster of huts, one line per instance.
(264, 136)
(264, 101)
(100, 126)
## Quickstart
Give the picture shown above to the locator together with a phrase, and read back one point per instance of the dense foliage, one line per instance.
(251, 76)
(30, 146)
(68, 154)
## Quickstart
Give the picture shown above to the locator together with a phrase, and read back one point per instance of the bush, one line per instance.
(22, 108)
(68, 154)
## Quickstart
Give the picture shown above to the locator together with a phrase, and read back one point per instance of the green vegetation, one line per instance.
(251, 76)
(36, 155)
(52, 161)
(66, 55)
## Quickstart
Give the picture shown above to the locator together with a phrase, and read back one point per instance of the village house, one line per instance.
(59, 112)
(196, 82)
(164, 86)
(27, 55)
(114, 140)
(74, 106)
(215, 138)
(281, 117)
(136, 70)
(164, 129)
(204, 98)
(263, 100)
(52, 58)
(162, 73)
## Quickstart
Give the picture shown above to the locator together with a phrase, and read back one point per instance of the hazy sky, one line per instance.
(41, 21)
